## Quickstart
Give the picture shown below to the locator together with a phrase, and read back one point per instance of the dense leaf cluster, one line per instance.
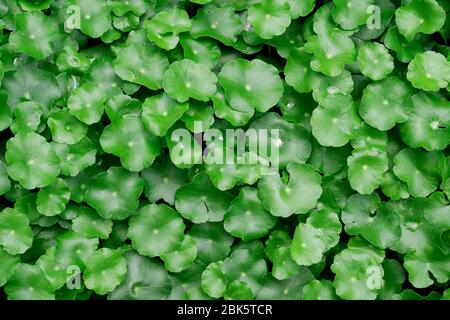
(93, 203)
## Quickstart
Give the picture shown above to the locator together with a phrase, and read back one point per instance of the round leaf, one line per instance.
(115, 193)
(298, 195)
(156, 230)
(52, 200)
(250, 85)
(105, 270)
(128, 139)
(375, 61)
(246, 217)
(16, 236)
(186, 79)
(31, 160)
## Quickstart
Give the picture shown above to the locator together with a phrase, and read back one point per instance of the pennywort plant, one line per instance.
(239, 149)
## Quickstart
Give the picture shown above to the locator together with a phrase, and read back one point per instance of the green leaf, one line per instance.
(6, 114)
(298, 72)
(201, 50)
(361, 266)
(31, 160)
(350, 14)
(52, 200)
(307, 247)
(120, 105)
(187, 79)
(89, 224)
(384, 111)
(213, 242)
(291, 141)
(366, 170)
(270, 18)
(436, 211)
(421, 264)
(368, 138)
(156, 230)
(34, 5)
(195, 293)
(213, 281)
(224, 111)
(105, 270)
(393, 187)
(319, 290)
(429, 71)
(5, 184)
(394, 277)
(414, 16)
(328, 224)
(218, 22)
(101, 73)
(298, 195)
(378, 21)
(326, 86)
(184, 150)
(297, 107)
(429, 122)
(301, 8)
(335, 121)
(162, 180)
(75, 158)
(330, 53)
(246, 168)
(115, 193)
(128, 139)
(405, 50)
(137, 7)
(65, 128)
(278, 251)
(419, 170)
(16, 236)
(200, 202)
(328, 161)
(92, 17)
(238, 290)
(27, 117)
(8, 264)
(87, 103)
(199, 114)
(34, 35)
(250, 85)
(182, 257)
(164, 27)
(145, 279)
(71, 61)
(26, 205)
(409, 294)
(289, 289)
(141, 63)
(375, 61)
(246, 217)
(73, 249)
(245, 266)
(381, 229)
(53, 272)
(28, 83)
(160, 112)
(28, 282)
